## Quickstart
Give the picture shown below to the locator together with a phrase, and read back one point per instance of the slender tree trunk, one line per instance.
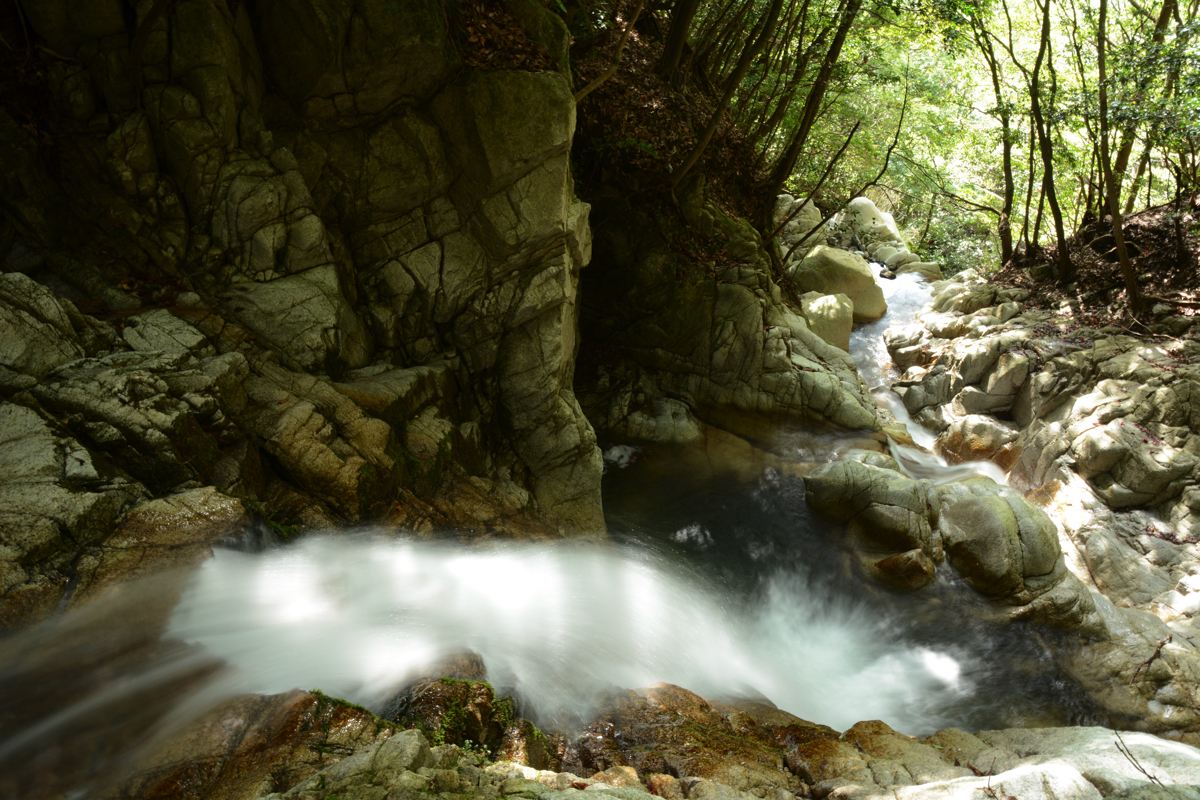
(1041, 212)
(787, 162)
(1004, 225)
(1029, 184)
(1129, 135)
(723, 46)
(1065, 269)
(1110, 179)
(677, 36)
(760, 32)
(803, 57)
(616, 62)
(1143, 162)
(1085, 195)
(739, 73)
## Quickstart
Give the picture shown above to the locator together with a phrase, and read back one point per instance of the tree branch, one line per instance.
(612, 68)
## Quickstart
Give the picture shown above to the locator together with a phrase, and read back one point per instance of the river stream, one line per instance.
(719, 579)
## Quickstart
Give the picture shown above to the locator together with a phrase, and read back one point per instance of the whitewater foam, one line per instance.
(560, 625)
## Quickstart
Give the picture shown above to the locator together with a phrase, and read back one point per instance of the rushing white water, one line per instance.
(558, 624)
(907, 295)
(720, 585)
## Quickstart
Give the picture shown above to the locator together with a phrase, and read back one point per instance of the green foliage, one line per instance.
(961, 241)
(324, 699)
(270, 519)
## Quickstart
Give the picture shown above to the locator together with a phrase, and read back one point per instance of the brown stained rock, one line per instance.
(620, 777)
(922, 763)
(54, 671)
(778, 728)
(666, 786)
(254, 745)
(973, 438)
(523, 743)
(456, 711)
(667, 729)
(825, 759)
(176, 531)
(909, 570)
(675, 700)
(955, 744)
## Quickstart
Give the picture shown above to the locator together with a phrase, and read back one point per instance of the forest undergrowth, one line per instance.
(1164, 245)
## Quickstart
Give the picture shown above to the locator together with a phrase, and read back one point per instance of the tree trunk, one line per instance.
(1143, 163)
(738, 73)
(1129, 134)
(1110, 179)
(612, 68)
(1029, 184)
(1004, 226)
(677, 36)
(1065, 268)
(787, 162)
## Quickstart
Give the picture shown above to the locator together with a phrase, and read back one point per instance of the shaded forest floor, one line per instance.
(635, 126)
(1164, 245)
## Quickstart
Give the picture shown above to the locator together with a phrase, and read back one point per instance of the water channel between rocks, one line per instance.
(720, 580)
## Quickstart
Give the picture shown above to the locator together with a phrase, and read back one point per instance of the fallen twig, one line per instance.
(1157, 652)
(1124, 748)
(998, 792)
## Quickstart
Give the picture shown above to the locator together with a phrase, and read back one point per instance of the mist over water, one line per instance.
(719, 579)
(558, 625)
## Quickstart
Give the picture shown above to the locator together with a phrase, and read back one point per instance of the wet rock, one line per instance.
(176, 531)
(830, 317)
(46, 517)
(251, 746)
(915, 762)
(1003, 546)
(667, 786)
(459, 711)
(890, 518)
(829, 270)
(929, 270)
(975, 437)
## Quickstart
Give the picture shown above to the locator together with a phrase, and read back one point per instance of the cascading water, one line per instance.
(906, 295)
(718, 582)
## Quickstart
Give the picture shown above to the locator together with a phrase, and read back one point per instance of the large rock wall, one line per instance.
(706, 341)
(366, 252)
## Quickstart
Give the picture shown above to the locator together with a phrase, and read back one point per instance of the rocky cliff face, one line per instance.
(324, 261)
(1095, 426)
(324, 257)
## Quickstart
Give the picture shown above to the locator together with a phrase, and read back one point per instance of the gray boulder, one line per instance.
(829, 270)
(1004, 547)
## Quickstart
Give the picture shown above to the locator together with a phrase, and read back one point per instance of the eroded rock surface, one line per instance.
(715, 342)
(1096, 427)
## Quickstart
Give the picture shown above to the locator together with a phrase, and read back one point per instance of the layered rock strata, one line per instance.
(323, 265)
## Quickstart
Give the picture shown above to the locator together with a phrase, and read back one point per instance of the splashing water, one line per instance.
(360, 616)
(559, 625)
(716, 584)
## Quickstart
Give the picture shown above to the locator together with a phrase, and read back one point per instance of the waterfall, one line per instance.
(723, 584)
